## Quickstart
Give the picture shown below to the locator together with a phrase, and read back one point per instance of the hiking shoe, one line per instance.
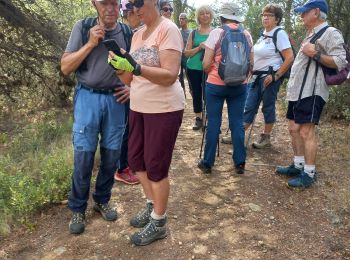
(226, 139)
(240, 168)
(126, 176)
(264, 141)
(205, 169)
(289, 171)
(154, 230)
(301, 181)
(198, 124)
(142, 217)
(106, 211)
(77, 223)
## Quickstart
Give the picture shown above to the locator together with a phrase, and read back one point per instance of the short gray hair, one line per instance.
(323, 16)
(183, 14)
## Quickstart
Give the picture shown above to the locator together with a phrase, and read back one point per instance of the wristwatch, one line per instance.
(317, 56)
(137, 70)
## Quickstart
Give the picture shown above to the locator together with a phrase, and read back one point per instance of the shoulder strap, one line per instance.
(313, 40)
(127, 33)
(274, 38)
(193, 35)
(87, 24)
(318, 34)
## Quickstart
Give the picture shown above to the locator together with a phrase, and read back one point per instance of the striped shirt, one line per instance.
(330, 43)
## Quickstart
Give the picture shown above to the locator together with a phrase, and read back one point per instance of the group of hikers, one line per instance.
(130, 99)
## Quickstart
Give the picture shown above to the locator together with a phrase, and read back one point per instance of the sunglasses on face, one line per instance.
(135, 3)
(166, 9)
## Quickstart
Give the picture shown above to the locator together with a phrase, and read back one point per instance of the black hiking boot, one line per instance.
(77, 223)
(106, 211)
(198, 124)
(205, 169)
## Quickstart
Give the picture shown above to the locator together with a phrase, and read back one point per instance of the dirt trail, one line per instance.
(220, 216)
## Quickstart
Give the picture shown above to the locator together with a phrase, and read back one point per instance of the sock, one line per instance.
(149, 201)
(299, 162)
(310, 170)
(156, 216)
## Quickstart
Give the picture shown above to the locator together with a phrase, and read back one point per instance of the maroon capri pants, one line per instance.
(151, 142)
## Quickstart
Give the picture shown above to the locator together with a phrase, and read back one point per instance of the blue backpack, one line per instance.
(235, 51)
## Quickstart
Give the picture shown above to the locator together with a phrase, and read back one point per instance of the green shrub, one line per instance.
(338, 106)
(35, 171)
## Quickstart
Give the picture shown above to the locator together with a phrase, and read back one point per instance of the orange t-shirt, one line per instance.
(146, 96)
(213, 43)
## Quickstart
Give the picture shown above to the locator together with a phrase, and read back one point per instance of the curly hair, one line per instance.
(276, 10)
(204, 8)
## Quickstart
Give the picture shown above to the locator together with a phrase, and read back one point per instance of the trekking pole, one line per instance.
(252, 124)
(204, 114)
(270, 71)
(203, 135)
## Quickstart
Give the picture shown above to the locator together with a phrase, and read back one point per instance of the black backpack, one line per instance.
(90, 22)
(286, 75)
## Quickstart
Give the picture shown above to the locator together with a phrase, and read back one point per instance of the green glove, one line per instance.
(119, 63)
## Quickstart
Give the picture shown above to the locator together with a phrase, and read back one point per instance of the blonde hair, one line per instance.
(204, 8)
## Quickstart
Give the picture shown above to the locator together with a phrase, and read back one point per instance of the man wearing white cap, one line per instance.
(307, 91)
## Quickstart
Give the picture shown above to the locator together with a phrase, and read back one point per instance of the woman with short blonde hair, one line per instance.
(204, 9)
(194, 52)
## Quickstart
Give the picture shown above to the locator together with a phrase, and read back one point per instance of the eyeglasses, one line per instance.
(167, 9)
(267, 15)
(136, 3)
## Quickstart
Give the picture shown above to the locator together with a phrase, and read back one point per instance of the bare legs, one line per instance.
(304, 141)
(156, 191)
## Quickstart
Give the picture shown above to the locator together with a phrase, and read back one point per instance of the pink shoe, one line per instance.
(126, 176)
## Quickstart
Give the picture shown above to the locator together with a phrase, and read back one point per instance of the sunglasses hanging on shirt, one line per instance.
(136, 3)
(129, 6)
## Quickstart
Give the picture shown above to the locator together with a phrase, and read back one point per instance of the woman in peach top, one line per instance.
(216, 93)
(157, 103)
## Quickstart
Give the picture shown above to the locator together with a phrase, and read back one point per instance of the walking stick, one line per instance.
(204, 114)
(204, 117)
(270, 71)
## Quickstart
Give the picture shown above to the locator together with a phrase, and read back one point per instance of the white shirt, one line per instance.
(265, 54)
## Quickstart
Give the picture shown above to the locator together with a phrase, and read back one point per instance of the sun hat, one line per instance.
(231, 11)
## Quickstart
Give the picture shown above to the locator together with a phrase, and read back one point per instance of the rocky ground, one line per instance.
(217, 216)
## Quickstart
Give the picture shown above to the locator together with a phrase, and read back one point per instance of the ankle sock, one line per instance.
(299, 162)
(310, 170)
(149, 201)
(156, 216)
